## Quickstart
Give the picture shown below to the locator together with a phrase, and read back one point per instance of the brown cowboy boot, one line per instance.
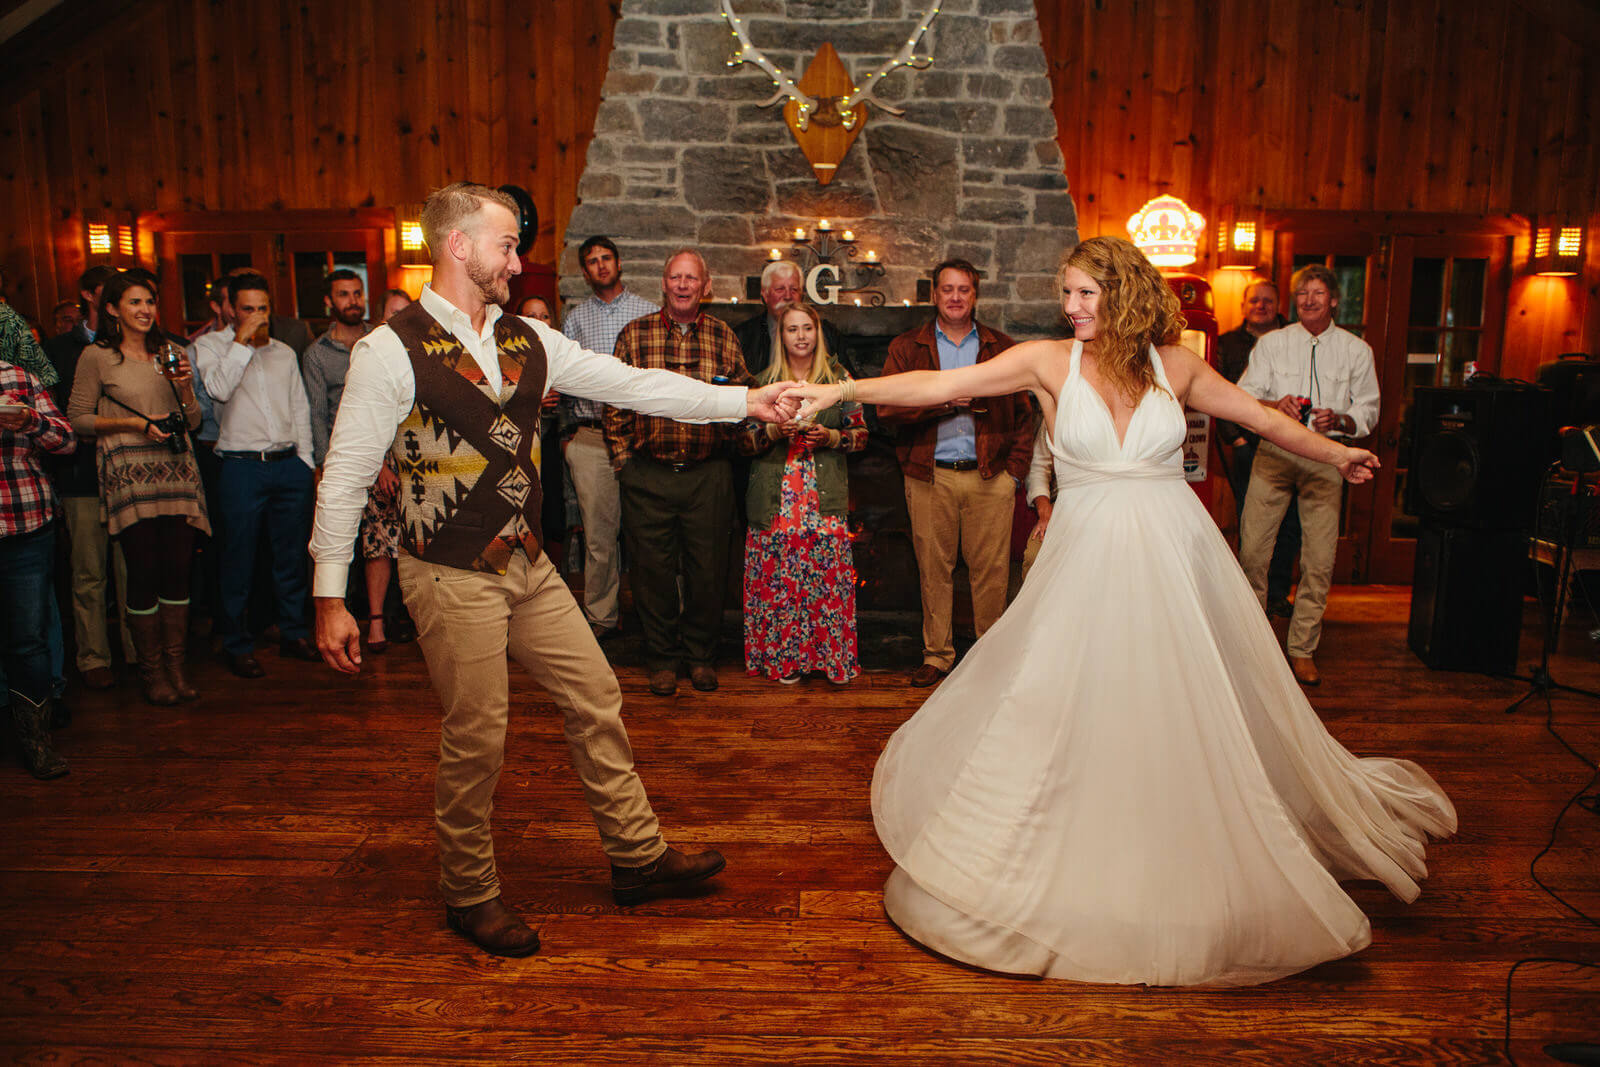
(31, 722)
(175, 646)
(146, 630)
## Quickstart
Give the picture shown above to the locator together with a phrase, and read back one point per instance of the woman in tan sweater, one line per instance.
(134, 393)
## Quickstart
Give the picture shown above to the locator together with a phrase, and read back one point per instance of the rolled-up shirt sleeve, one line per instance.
(378, 393)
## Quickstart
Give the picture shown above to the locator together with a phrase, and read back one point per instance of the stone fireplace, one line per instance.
(684, 156)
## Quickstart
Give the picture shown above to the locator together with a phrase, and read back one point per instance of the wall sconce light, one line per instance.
(99, 239)
(1167, 231)
(413, 249)
(1238, 244)
(1558, 247)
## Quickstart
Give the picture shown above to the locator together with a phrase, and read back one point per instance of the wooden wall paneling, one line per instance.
(1281, 115)
(311, 178)
(1407, 81)
(447, 73)
(1231, 73)
(1341, 149)
(485, 82)
(34, 286)
(1173, 80)
(204, 192)
(558, 124)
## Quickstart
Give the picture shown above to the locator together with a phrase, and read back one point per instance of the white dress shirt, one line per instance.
(1041, 469)
(257, 395)
(1334, 368)
(380, 390)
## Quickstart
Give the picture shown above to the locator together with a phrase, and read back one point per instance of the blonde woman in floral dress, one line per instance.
(800, 580)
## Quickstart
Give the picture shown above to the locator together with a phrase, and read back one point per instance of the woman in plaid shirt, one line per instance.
(30, 425)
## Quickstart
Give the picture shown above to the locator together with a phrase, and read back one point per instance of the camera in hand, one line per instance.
(176, 427)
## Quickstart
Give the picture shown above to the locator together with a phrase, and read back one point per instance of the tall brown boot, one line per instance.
(32, 724)
(146, 630)
(175, 647)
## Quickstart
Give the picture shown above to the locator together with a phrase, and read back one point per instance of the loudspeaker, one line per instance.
(1478, 453)
(1466, 598)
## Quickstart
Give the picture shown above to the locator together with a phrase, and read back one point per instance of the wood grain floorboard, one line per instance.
(251, 879)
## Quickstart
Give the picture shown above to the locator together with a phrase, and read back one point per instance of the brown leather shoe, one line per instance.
(664, 683)
(245, 665)
(299, 648)
(1305, 670)
(99, 678)
(493, 927)
(927, 675)
(703, 677)
(671, 874)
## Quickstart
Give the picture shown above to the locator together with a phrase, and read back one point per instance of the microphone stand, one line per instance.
(1542, 683)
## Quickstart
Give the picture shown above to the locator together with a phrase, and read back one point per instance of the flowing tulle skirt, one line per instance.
(1122, 782)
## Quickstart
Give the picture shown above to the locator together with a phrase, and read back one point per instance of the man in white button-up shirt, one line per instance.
(1324, 376)
(468, 619)
(265, 450)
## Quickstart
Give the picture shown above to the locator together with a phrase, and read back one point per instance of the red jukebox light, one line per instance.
(1201, 462)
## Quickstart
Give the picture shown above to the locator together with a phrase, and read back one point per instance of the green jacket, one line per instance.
(766, 470)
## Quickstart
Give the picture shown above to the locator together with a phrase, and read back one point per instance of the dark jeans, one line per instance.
(1280, 571)
(26, 563)
(280, 492)
(676, 522)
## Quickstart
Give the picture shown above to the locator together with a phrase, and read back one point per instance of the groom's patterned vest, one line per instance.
(468, 460)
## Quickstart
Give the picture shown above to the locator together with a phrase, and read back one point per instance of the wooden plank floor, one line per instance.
(251, 879)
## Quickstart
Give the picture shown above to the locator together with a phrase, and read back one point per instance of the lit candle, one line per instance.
(858, 301)
(872, 256)
(824, 226)
(799, 234)
(849, 235)
(907, 303)
(774, 254)
(734, 299)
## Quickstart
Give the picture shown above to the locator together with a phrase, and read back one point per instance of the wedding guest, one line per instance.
(800, 580)
(134, 394)
(30, 425)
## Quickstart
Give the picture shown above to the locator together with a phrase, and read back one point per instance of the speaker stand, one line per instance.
(1541, 682)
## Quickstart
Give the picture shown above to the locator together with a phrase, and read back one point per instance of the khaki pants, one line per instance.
(86, 555)
(1276, 476)
(589, 465)
(960, 513)
(467, 622)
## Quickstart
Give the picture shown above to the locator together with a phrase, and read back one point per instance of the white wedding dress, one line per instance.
(1122, 781)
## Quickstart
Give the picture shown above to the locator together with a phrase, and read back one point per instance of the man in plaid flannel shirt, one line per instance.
(676, 483)
(30, 425)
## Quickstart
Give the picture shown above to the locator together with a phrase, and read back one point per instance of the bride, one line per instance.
(1122, 782)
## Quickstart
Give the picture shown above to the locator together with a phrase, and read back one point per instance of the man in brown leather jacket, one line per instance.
(962, 464)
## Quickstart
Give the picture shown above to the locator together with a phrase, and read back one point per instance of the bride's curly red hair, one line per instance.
(1137, 309)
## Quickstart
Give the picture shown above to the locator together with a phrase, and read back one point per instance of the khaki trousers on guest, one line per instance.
(589, 464)
(86, 555)
(959, 513)
(467, 622)
(1276, 476)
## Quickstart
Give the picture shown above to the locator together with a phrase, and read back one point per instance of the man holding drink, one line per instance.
(266, 451)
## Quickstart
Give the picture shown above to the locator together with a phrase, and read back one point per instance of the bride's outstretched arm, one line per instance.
(1015, 369)
(1213, 394)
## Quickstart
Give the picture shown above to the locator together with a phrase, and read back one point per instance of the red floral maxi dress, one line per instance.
(800, 580)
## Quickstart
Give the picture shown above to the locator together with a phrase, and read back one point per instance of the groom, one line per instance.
(451, 388)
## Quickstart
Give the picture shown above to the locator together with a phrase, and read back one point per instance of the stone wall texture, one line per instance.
(683, 154)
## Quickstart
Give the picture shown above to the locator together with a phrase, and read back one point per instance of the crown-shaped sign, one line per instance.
(1167, 231)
